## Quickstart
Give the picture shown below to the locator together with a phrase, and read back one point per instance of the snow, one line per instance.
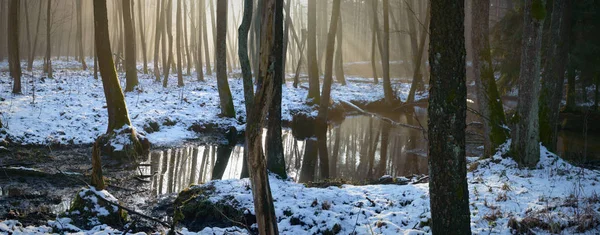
(70, 108)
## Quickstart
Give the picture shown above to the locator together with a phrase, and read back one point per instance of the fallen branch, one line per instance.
(380, 117)
(131, 211)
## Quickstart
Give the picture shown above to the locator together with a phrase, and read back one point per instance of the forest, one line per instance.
(299, 117)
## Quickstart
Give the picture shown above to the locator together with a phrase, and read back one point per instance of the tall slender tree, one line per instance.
(205, 37)
(14, 61)
(488, 98)
(141, 27)
(180, 36)
(168, 21)
(553, 77)
(157, 39)
(225, 97)
(449, 194)
(130, 70)
(313, 66)
(48, 60)
(80, 33)
(339, 54)
(198, 38)
(525, 148)
(31, 53)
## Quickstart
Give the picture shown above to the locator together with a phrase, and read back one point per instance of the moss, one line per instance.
(84, 213)
(538, 9)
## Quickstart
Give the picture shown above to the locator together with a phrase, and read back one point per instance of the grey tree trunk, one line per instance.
(35, 39)
(339, 56)
(488, 98)
(198, 38)
(553, 76)
(374, 41)
(168, 20)
(313, 66)
(142, 35)
(389, 95)
(157, 39)
(449, 194)
(225, 98)
(80, 33)
(48, 60)
(130, 70)
(205, 37)
(14, 61)
(179, 45)
(525, 146)
(243, 32)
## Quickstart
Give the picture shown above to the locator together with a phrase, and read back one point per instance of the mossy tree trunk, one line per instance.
(553, 77)
(130, 70)
(115, 100)
(449, 194)
(226, 101)
(525, 147)
(488, 98)
(14, 61)
(313, 66)
(270, 67)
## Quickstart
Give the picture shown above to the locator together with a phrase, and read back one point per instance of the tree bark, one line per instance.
(339, 56)
(80, 33)
(553, 77)
(525, 146)
(35, 39)
(417, 82)
(205, 38)
(449, 194)
(130, 70)
(374, 40)
(270, 58)
(313, 66)
(488, 98)
(157, 39)
(186, 43)
(225, 98)
(389, 95)
(14, 61)
(168, 19)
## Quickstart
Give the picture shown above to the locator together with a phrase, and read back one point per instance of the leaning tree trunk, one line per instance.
(14, 61)
(80, 33)
(449, 194)
(225, 97)
(118, 116)
(488, 98)
(321, 126)
(554, 73)
(313, 66)
(130, 70)
(270, 66)
(525, 136)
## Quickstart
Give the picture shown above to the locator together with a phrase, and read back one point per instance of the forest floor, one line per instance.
(70, 109)
(555, 197)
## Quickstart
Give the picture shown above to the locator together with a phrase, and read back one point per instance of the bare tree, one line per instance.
(525, 136)
(179, 45)
(80, 33)
(142, 35)
(225, 97)
(131, 71)
(313, 66)
(48, 60)
(449, 194)
(14, 61)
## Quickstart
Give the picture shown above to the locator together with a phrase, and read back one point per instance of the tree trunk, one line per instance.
(488, 98)
(186, 43)
(26, 8)
(225, 98)
(48, 62)
(199, 33)
(3, 43)
(118, 116)
(449, 194)
(80, 33)
(179, 45)
(417, 82)
(14, 61)
(168, 19)
(385, 136)
(288, 22)
(309, 161)
(525, 136)
(205, 38)
(243, 32)
(157, 39)
(334, 157)
(223, 155)
(142, 35)
(339, 58)
(554, 73)
(374, 39)
(321, 126)
(270, 58)
(130, 70)
(35, 39)
(389, 95)
(301, 52)
(313, 66)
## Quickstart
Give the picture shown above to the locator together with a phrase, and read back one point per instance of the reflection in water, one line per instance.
(579, 148)
(359, 148)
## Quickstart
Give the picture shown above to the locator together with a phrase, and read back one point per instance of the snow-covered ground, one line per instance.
(555, 195)
(70, 109)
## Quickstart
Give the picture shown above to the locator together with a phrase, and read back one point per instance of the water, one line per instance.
(355, 154)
